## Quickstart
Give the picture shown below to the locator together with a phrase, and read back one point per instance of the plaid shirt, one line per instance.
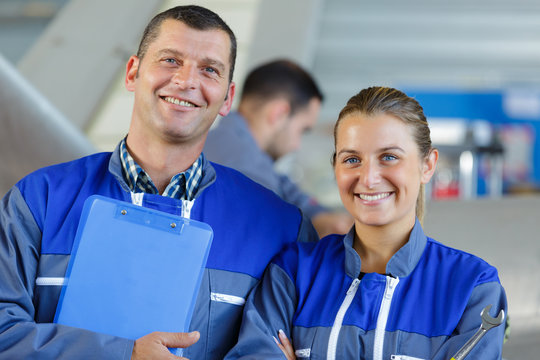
(182, 186)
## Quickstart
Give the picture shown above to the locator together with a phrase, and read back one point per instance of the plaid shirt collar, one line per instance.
(183, 185)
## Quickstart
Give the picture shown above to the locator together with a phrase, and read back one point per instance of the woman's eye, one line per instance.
(389, 157)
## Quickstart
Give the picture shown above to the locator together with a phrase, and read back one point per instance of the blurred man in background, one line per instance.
(280, 102)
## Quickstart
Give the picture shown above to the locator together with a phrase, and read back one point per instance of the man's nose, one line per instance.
(186, 77)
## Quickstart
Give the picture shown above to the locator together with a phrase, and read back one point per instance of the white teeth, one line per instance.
(178, 102)
(373, 197)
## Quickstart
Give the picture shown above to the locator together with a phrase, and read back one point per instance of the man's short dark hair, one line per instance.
(281, 78)
(195, 17)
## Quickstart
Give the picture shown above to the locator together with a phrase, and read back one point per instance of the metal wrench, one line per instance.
(488, 322)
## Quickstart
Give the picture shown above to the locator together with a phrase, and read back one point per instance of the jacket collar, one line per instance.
(115, 168)
(400, 265)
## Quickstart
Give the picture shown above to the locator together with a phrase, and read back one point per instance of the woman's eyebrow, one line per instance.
(393, 147)
(347, 151)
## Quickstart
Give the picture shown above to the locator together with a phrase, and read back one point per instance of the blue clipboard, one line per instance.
(133, 270)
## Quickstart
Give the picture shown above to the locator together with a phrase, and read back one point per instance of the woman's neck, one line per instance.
(377, 244)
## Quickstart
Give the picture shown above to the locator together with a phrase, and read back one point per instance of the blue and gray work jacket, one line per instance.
(38, 222)
(426, 306)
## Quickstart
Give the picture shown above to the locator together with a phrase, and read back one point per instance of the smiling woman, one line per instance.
(395, 104)
(384, 290)
(381, 163)
(379, 170)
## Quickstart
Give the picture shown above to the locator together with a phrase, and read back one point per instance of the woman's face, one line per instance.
(379, 170)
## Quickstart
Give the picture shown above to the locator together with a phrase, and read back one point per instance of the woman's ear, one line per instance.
(430, 163)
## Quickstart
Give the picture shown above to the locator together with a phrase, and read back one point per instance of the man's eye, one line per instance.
(171, 61)
(210, 70)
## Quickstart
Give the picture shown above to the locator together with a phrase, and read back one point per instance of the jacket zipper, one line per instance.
(336, 328)
(384, 310)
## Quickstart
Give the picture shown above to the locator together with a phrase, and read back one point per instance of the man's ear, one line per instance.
(226, 107)
(429, 166)
(132, 69)
(279, 111)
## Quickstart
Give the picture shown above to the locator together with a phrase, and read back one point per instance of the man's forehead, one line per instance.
(199, 35)
(212, 31)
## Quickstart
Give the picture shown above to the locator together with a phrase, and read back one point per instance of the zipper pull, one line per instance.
(353, 286)
(391, 284)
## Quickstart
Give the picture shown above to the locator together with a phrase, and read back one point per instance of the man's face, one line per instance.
(289, 136)
(181, 84)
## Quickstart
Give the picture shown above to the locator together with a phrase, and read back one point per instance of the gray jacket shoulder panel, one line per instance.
(230, 143)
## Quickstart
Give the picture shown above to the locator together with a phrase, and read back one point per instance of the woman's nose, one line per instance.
(369, 174)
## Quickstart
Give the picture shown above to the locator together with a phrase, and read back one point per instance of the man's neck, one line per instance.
(161, 160)
(255, 123)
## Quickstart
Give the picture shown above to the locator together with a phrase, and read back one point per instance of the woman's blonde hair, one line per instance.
(383, 100)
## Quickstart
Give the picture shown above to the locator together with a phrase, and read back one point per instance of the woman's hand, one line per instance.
(285, 345)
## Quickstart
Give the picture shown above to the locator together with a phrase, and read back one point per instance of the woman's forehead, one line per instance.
(380, 130)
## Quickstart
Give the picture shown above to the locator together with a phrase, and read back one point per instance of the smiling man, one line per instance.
(182, 79)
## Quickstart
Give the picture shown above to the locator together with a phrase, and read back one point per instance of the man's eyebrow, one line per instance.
(213, 62)
(168, 51)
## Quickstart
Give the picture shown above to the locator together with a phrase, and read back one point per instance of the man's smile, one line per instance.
(176, 101)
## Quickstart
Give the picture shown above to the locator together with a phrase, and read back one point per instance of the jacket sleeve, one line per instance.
(269, 308)
(490, 346)
(20, 336)
(306, 231)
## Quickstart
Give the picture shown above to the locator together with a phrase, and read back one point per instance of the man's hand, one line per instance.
(327, 223)
(155, 345)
